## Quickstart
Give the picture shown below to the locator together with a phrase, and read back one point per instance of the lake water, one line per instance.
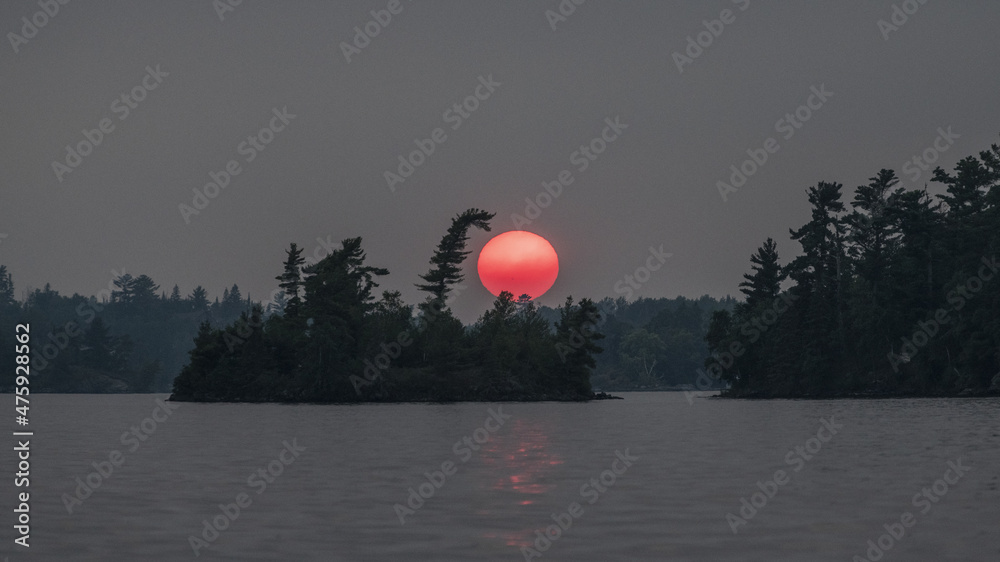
(687, 465)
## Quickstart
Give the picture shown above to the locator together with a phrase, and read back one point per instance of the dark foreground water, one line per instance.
(672, 473)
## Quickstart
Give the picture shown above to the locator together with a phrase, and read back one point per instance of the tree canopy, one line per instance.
(899, 295)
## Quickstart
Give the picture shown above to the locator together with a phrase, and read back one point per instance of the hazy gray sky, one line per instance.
(208, 83)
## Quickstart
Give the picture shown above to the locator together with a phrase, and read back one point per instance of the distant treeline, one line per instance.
(132, 339)
(895, 293)
(653, 344)
(137, 338)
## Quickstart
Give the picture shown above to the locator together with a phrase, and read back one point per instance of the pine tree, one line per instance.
(123, 293)
(450, 254)
(232, 302)
(872, 234)
(142, 290)
(235, 296)
(820, 274)
(291, 280)
(763, 286)
(576, 337)
(199, 298)
(750, 368)
(338, 297)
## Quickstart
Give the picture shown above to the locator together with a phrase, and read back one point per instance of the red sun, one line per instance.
(520, 262)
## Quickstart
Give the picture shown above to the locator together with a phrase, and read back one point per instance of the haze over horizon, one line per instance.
(210, 81)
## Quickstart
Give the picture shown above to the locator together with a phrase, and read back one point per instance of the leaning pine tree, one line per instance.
(439, 329)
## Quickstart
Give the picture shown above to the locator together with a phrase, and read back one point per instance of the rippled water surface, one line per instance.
(690, 464)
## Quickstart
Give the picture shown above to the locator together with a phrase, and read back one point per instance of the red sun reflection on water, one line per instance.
(522, 462)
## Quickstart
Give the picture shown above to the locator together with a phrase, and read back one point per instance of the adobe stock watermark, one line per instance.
(591, 491)
(752, 329)
(898, 17)
(249, 149)
(786, 125)
(455, 115)
(324, 247)
(795, 458)
(222, 7)
(589, 328)
(925, 500)
(133, 438)
(393, 349)
(920, 163)
(462, 449)
(581, 158)
(925, 330)
(122, 107)
(657, 257)
(259, 480)
(642, 274)
(704, 39)
(364, 34)
(244, 329)
(563, 10)
(33, 24)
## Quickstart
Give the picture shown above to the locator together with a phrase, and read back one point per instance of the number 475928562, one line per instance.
(23, 370)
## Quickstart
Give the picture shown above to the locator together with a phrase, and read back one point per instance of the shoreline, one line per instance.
(544, 398)
(862, 396)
